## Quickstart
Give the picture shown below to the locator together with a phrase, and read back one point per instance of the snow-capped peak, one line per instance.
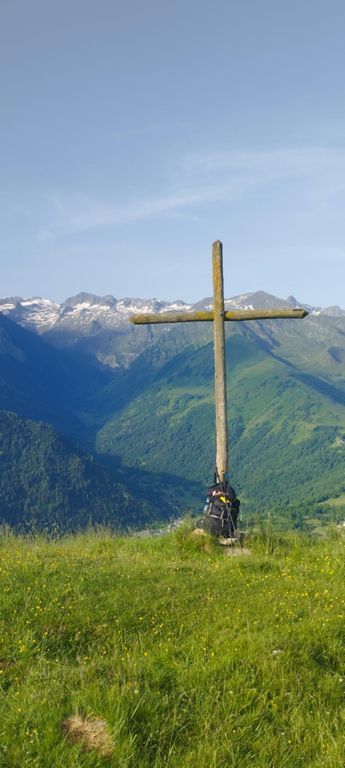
(35, 313)
(87, 313)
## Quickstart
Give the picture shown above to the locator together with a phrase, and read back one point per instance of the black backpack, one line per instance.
(222, 509)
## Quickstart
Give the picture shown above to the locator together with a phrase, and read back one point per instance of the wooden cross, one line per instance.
(219, 316)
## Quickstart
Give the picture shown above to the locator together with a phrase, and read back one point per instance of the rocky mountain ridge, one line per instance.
(87, 312)
(81, 311)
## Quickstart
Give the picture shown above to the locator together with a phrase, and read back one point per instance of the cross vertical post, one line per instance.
(219, 361)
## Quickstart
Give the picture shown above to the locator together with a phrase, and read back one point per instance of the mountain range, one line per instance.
(87, 312)
(138, 401)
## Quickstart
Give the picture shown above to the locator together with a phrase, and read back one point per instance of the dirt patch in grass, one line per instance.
(6, 664)
(91, 732)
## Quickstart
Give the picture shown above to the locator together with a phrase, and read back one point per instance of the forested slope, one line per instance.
(47, 484)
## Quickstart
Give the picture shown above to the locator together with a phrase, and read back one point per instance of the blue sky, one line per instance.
(133, 134)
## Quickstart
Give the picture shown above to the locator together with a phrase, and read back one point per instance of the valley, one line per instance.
(140, 402)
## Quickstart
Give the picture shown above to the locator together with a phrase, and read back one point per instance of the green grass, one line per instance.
(191, 657)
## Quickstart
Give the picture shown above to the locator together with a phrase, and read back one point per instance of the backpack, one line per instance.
(222, 508)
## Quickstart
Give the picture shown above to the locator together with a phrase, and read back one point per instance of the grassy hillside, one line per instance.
(167, 652)
(287, 430)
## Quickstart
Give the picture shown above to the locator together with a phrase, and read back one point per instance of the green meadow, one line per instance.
(165, 651)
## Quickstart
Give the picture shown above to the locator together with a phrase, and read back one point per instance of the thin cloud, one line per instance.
(277, 162)
(214, 177)
(91, 215)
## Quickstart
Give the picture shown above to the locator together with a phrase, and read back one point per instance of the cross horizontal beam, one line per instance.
(236, 314)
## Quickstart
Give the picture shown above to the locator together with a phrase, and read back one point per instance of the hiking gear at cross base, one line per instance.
(222, 508)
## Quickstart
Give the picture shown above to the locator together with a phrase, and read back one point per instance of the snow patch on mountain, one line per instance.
(85, 312)
(34, 313)
(88, 313)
